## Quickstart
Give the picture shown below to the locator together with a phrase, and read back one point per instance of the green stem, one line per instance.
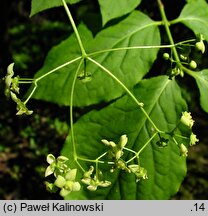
(140, 104)
(143, 147)
(102, 155)
(25, 82)
(31, 93)
(80, 166)
(94, 161)
(71, 109)
(75, 29)
(142, 47)
(129, 48)
(175, 141)
(117, 80)
(85, 159)
(57, 68)
(182, 137)
(167, 24)
(130, 150)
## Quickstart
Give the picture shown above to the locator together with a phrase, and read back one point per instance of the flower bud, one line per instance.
(183, 57)
(123, 141)
(186, 119)
(193, 64)
(166, 56)
(193, 139)
(200, 46)
(183, 150)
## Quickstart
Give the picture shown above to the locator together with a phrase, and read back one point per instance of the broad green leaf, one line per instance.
(195, 16)
(202, 82)
(57, 86)
(129, 66)
(166, 168)
(113, 9)
(41, 5)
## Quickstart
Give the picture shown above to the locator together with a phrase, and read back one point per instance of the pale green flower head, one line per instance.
(140, 172)
(183, 150)
(193, 139)
(56, 166)
(186, 119)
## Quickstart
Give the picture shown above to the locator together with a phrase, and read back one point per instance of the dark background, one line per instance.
(25, 141)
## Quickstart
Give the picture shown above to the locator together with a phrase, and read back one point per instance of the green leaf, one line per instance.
(129, 66)
(41, 5)
(202, 82)
(113, 9)
(57, 86)
(165, 167)
(195, 16)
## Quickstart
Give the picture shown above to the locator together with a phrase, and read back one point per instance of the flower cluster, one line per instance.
(187, 120)
(140, 172)
(65, 177)
(185, 57)
(12, 89)
(116, 152)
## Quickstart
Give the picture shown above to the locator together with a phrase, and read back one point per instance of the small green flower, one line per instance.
(67, 183)
(166, 56)
(8, 79)
(121, 164)
(183, 57)
(183, 150)
(200, 44)
(176, 71)
(186, 119)
(140, 172)
(193, 139)
(15, 85)
(193, 64)
(56, 166)
(116, 150)
(21, 107)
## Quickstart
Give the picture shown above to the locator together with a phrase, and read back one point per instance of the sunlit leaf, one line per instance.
(129, 66)
(194, 16)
